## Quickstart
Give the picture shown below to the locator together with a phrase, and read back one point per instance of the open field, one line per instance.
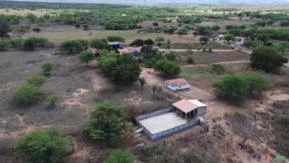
(129, 35)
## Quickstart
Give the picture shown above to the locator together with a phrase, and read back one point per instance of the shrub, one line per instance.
(72, 46)
(86, 56)
(25, 95)
(256, 83)
(190, 60)
(51, 102)
(115, 38)
(47, 67)
(109, 122)
(217, 69)
(231, 88)
(99, 44)
(267, 59)
(160, 39)
(84, 43)
(3, 45)
(37, 80)
(16, 43)
(170, 56)
(30, 44)
(204, 39)
(43, 146)
(167, 68)
(119, 156)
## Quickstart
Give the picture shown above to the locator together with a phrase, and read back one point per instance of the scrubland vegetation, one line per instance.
(68, 95)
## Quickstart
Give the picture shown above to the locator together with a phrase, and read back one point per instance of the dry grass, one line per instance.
(59, 36)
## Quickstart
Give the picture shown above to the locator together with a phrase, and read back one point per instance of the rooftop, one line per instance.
(187, 106)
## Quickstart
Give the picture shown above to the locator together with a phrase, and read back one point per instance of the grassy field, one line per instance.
(59, 36)
(212, 57)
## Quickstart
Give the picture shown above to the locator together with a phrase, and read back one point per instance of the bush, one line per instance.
(115, 38)
(217, 69)
(160, 39)
(204, 39)
(109, 122)
(47, 67)
(267, 59)
(190, 60)
(37, 80)
(3, 45)
(25, 95)
(30, 44)
(51, 102)
(119, 156)
(167, 68)
(16, 43)
(84, 43)
(256, 83)
(170, 56)
(86, 56)
(72, 46)
(231, 88)
(43, 146)
(99, 44)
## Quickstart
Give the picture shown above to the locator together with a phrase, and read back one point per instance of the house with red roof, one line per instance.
(177, 84)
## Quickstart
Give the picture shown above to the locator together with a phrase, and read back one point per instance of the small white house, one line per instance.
(177, 84)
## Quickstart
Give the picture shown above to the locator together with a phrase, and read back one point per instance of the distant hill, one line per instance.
(168, 1)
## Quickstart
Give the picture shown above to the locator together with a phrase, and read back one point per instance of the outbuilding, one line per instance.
(190, 109)
(177, 84)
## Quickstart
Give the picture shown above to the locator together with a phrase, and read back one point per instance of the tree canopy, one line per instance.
(267, 59)
(167, 68)
(42, 146)
(109, 122)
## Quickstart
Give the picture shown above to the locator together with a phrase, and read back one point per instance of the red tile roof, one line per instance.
(187, 106)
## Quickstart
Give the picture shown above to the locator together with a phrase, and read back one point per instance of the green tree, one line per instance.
(29, 44)
(99, 44)
(115, 38)
(256, 83)
(4, 28)
(167, 68)
(86, 56)
(43, 147)
(37, 80)
(47, 67)
(190, 60)
(3, 45)
(119, 156)
(204, 39)
(109, 122)
(72, 46)
(229, 38)
(127, 70)
(231, 88)
(267, 59)
(25, 95)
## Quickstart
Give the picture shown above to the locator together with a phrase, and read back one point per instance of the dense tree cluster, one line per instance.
(121, 69)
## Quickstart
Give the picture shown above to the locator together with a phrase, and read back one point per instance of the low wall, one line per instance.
(152, 114)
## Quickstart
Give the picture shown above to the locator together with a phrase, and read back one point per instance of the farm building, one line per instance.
(180, 116)
(134, 51)
(115, 45)
(177, 84)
